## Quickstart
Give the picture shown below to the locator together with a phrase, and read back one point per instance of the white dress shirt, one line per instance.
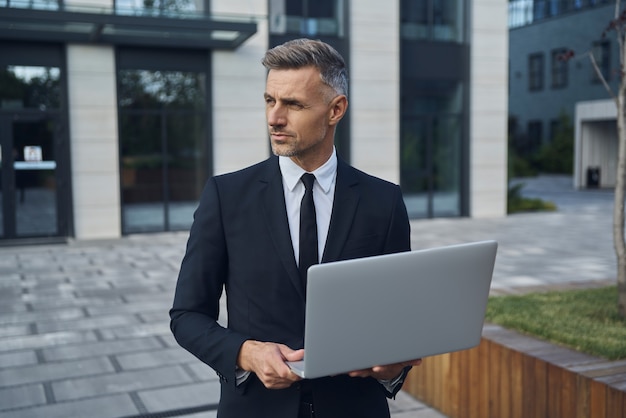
(323, 196)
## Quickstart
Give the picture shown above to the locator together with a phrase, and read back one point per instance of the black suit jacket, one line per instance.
(240, 241)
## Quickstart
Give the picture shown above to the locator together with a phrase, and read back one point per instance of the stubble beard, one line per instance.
(285, 150)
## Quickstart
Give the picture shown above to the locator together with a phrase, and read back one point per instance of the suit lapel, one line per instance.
(275, 214)
(344, 207)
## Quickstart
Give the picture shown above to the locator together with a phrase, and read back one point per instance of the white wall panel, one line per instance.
(239, 131)
(94, 141)
(374, 88)
(488, 108)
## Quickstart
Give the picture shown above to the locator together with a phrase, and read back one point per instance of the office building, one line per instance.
(545, 84)
(113, 113)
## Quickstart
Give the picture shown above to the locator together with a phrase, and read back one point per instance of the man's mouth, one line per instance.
(279, 135)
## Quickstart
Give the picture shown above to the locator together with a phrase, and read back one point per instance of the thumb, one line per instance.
(296, 355)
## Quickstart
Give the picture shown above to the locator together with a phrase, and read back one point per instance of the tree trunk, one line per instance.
(618, 209)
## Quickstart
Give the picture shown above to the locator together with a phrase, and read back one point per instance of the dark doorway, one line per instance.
(31, 184)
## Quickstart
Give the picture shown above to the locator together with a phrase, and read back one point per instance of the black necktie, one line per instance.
(308, 228)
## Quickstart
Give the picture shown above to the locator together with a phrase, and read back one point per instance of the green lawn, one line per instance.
(585, 320)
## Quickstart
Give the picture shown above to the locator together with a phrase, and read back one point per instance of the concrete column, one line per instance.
(239, 131)
(374, 95)
(488, 108)
(94, 141)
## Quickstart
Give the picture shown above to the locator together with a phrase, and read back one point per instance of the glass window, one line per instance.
(540, 9)
(414, 178)
(446, 173)
(28, 87)
(602, 54)
(441, 20)
(559, 68)
(31, 4)
(535, 72)
(535, 135)
(163, 142)
(306, 17)
(156, 7)
(447, 20)
(158, 89)
(414, 19)
(431, 147)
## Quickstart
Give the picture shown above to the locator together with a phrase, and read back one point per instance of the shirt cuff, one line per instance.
(241, 376)
(391, 384)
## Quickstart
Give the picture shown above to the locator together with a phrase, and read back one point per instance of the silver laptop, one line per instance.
(392, 308)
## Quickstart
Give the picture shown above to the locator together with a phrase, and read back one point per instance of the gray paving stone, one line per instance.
(40, 303)
(208, 414)
(62, 314)
(161, 315)
(54, 371)
(100, 348)
(10, 293)
(13, 306)
(14, 330)
(154, 358)
(119, 382)
(45, 340)
(17, 358)
(99, 323)
(137, 331)
(159, 303)
(102, 407)
(114, 292)
(21, 396)
(185, 396)
(157, 293)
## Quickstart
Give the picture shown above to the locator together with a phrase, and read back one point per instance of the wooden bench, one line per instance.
(512, 375)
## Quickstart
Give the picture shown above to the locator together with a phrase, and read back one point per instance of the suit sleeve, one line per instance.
(201, 279)
(399, 230)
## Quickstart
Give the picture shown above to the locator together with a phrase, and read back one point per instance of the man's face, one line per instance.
(299, 109)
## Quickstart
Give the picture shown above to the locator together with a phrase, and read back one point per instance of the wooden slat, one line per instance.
(473, 380)
(568, 393)
(554, 391)
(485, 383)
(540, 393)
(583, 408)
(614, 401)
(517, 385)
(495, 370)
(597, 394)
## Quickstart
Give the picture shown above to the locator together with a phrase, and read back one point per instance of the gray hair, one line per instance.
(299, 53)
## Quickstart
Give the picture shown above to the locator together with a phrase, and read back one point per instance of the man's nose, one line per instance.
(276, 116)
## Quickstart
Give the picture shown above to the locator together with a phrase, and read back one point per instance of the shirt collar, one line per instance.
(325, 175)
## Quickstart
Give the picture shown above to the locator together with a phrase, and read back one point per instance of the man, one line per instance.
(246, 239)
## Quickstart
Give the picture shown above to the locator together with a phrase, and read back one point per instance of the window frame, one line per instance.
(536, 69)
(603, 60)
(559, 69)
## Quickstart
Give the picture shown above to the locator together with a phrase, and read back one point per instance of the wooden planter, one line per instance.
(511, 375)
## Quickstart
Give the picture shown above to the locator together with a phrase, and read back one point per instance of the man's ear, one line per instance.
(337, 109)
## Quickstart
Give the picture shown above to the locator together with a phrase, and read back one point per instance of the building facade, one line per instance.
(113, 113)
(543, 85)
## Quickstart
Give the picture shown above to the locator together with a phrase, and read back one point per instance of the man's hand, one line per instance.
(267, 361)
(388, 372)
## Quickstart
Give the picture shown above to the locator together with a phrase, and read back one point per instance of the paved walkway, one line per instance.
(84, 326)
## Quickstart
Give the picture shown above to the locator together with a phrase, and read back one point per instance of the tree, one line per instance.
(617, 25)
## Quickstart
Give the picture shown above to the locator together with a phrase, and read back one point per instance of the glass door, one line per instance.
(29, 179)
